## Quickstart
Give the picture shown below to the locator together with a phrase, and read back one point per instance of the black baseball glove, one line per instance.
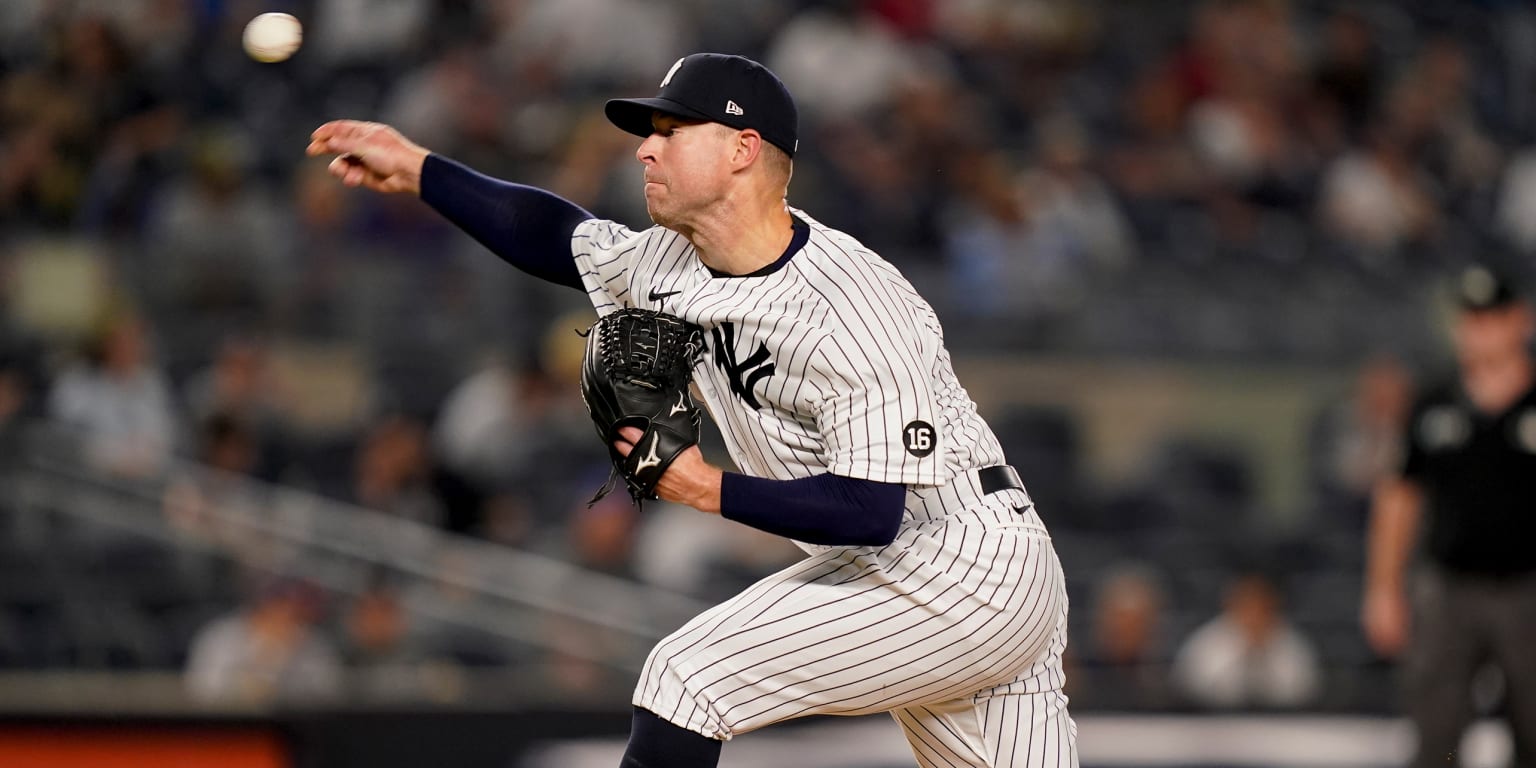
(635, 374)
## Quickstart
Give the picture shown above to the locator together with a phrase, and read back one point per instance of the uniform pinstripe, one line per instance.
(825, 365)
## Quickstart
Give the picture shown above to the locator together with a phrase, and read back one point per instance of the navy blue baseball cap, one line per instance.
(717, 88)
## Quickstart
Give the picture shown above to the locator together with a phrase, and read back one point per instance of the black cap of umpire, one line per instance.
(717, 88)
(1480, 289)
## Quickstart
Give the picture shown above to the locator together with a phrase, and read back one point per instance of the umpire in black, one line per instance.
(1465, 501)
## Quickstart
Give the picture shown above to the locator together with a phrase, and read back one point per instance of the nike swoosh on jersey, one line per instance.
(658, 296)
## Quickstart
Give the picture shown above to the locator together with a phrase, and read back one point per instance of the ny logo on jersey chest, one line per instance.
(745, 373)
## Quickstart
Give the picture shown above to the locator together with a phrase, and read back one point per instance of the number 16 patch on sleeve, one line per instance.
(919, 438)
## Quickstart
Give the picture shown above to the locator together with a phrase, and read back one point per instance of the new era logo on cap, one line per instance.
(704, 86)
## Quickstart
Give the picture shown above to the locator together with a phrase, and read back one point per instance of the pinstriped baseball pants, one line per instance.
(957, 629)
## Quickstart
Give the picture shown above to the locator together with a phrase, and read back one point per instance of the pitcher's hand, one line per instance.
(689, 480)
(371, 155)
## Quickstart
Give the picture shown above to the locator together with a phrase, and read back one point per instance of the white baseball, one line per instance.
(272, 37)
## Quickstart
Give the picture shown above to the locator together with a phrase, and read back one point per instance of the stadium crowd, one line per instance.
(1233, 180)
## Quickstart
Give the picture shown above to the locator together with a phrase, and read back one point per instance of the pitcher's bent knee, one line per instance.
(671, 688)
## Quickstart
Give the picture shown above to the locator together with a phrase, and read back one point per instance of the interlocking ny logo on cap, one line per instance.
(676, 65)
(732, 108)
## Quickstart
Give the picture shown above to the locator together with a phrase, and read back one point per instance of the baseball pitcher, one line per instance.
(931, 589)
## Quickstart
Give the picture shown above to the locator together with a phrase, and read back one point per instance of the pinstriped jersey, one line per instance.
(830, 362)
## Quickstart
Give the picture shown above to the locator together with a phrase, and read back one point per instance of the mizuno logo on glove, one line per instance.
(650, 460)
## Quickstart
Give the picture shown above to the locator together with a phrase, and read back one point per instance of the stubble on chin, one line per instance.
(652, 207)
(657, 212)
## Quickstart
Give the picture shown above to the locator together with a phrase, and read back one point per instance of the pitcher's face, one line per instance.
(687, 165)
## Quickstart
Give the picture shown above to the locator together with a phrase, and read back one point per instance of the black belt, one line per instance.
(999, 478)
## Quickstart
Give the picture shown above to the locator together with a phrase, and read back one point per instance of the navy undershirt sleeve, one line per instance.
(527, 227)
(821, 509)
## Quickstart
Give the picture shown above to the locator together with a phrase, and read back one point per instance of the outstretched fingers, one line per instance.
(371, 155)
(338, 137)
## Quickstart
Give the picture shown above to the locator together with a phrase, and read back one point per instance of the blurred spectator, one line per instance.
(1124, 664)
(387, 663)
(1003, 27)
(483, 429)
(1349, 69)
(393, 472)
(369, 33)
(1516, 213)
(1357, 441)
(1241, 71)
(77, 127)
(678, 549)
(1377, 198)
(845, 37)
(1027, 245)
(269, 651)
(219, 246)
(1154, 162)
(560, 426)
(1249, 656)
(159, 32)
(324, 287)
(143, 125)
(214, 502)
(896, 204)
(1432, 105)
(241, 387)
(237, 385)
(1075, 221)
(591, 44)
(458, 102)
(991, 268)
(119, 401)
(489, 447)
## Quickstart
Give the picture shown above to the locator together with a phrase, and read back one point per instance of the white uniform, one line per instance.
(830, 361)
